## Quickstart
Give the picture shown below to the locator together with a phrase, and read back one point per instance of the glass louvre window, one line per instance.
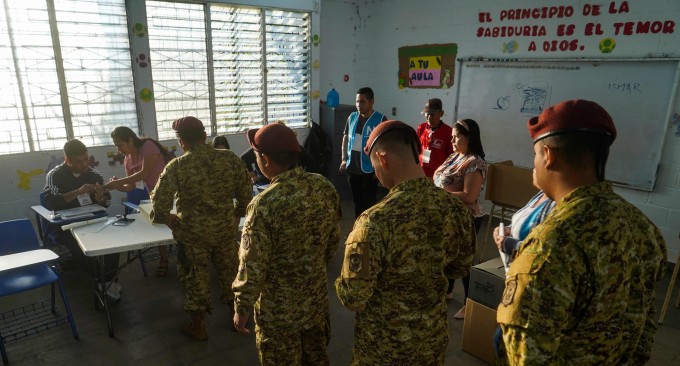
(249, 65)
(237, 61)
(31, 116)
(179, 63)
(36, 111)
(97, 67)
(288, 55)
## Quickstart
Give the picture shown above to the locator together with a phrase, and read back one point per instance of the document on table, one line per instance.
(80, 211)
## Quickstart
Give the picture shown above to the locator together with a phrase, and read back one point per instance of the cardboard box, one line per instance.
(487, 281)
(508, 185)
(478, 331)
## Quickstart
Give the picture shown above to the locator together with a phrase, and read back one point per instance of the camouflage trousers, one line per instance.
(193, 269)
(304, 347)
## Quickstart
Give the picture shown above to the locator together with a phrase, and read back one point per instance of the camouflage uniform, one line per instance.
(393, 273)
(581, 290)
(204, 181)
(290, 234)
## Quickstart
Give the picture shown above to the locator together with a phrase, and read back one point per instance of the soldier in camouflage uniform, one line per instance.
(393, 270)
(204, 182)
(581, 289)
(290, 235)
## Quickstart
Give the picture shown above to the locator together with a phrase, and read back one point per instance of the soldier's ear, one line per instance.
(382, 159)
(549, 157)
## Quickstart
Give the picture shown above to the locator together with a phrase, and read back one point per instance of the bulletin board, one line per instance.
(639, 95)
(427, 66)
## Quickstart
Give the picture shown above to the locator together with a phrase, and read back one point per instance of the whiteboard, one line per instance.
(639, 95)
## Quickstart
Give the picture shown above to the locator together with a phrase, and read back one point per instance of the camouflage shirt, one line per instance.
(205, 182)
(581, 290)
(290, 234)
(393, 273)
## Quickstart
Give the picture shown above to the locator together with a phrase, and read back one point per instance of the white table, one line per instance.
(103, 238)
(18, 260)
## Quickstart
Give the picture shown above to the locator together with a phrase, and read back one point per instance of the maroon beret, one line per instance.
(187, 123)
(576, 115)
(273, 138)
(382, 129)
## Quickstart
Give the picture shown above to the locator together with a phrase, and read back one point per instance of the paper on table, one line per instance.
(77, 211)
(83, 223)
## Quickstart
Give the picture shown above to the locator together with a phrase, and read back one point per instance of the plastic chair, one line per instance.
(18, 236)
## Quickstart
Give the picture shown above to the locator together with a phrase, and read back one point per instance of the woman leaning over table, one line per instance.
(145, 159)
(463, 174)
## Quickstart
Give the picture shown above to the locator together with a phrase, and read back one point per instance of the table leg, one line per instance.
(101, 293)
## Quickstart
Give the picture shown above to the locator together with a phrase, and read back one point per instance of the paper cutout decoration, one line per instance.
(316, 94)
(607, 45)
(316, 40)
(142, 60)
(316, 64)
(25, 178)
(146, 95)
(139, 30)
(425, 66)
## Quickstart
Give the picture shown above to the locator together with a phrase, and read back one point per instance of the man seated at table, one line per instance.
(73, 184)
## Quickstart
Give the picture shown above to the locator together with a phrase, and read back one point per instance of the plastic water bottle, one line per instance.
(333, 98)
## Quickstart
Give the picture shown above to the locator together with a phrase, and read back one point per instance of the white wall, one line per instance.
(375, 29)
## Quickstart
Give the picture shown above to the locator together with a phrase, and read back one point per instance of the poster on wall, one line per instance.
(427, 66)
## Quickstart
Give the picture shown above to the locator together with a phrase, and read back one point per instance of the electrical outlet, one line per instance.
(394, 111)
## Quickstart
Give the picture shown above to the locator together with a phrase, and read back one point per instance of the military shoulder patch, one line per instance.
(355, 262)
(357, 255)
(509, 292)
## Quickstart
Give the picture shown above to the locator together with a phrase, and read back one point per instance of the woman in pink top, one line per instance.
(145, 159)
(463, 174)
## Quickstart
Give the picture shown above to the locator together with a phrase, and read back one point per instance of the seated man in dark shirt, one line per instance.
(73, 184)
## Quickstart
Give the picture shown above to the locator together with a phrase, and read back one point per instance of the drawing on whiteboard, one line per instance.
(503, 103)
(534, 97)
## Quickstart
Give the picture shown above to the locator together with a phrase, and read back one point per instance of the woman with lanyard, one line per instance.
(145, 159)
(463, 174)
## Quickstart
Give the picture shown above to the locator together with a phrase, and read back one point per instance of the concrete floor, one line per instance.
(148, 317)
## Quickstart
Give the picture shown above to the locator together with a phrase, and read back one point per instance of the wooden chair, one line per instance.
(508, 188)
(669, 292)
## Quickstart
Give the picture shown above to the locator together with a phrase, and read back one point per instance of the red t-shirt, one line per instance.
(439, 144)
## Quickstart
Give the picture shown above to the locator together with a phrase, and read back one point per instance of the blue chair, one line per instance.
(18, 236)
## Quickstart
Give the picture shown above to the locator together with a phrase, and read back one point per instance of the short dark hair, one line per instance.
(286, 158)
(400, 141)
(581, 150)
(473, 135)
(74, 148)
(192, 136)
(220, 140)
(367, 92)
